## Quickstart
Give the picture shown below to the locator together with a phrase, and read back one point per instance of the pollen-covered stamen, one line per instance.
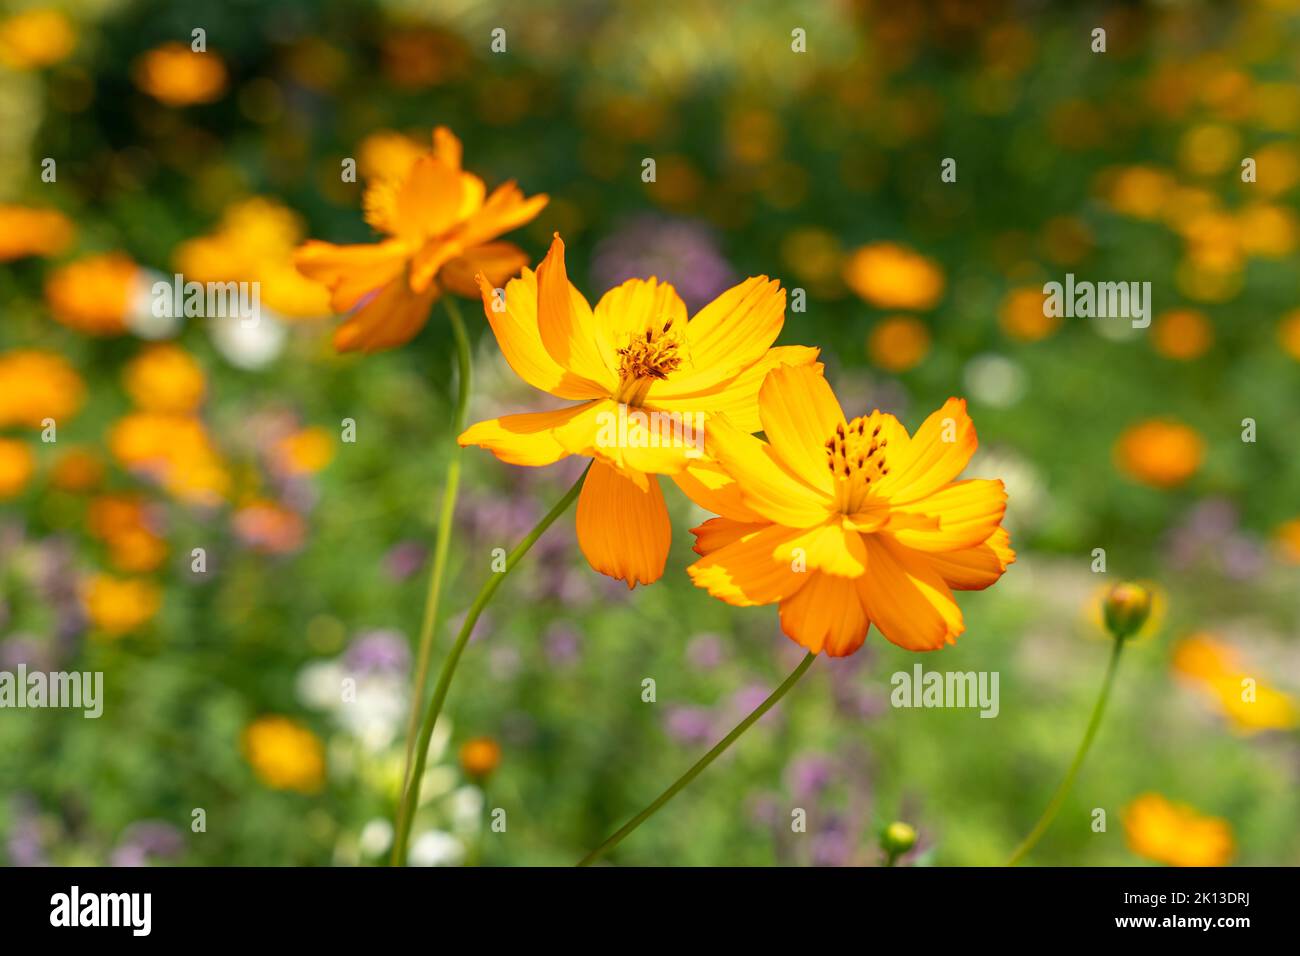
(650, 355)
(857, 456)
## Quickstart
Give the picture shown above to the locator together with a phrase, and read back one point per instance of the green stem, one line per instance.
(411, 795)
(442, 543)
(1063, 790)
(703, 762)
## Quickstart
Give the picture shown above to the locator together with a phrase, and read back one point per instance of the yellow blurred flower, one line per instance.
(1137, 191)
(117, 606)
(898, 343)
(1024, 317)
(178, 76)
(1267, 231)
(77, 469)
(1277, 168)
(93, 294)
(1287, 537)
(891, 276)
(480, 756)
(1176, 834)
(305, 452)
(165, 378)
(387, 155)
(36, 385)
(137, 550)
(812, 254)
(1182, 334)
(284, 754)
(1288, 333)
(1209, 149)
(28, 231)
(16, 466)
(175, 450)
(1218, 670)
(35, 38)
(1160, 453)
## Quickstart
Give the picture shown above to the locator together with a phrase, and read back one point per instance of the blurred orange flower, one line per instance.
(270, 528)
(117, 606)
(284, 754)
(898, 343)
(16, 466)
(304, 452)
(1218, 670)
(175, 450)
(635, 355)
(35, 38)
(77, 469)
(28, 231)
(480, 756)
(93, 294)
(165, 378)
(847, 524)
(1159, 452)
(179, 76)
(1288, 334)
(1024, 317)
(891, 276)
(36, 385)
(1182, 334)
(440, 229)
(1176, 834)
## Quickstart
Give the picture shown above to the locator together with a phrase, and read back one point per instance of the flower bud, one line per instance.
(897, 839)
(1126, 607)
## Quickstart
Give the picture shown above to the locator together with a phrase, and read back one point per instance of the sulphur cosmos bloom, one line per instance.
(635, 355)
(439, 229)
(846, 523)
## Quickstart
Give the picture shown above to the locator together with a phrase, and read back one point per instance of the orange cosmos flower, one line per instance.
(35, 38)
(177, 75)
(16, 466)
(891, 276)
(94, 294)
(1176, 834)
(632, 357)
(1160, 453)
(440, 230)
(844, 523)
(28, 231)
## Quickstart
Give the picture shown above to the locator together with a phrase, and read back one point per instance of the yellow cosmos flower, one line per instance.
(898, 343)
(632, 357)
(1176, 834)
(846, 524)
(35, 38)
(36, 385)
(16, 466)
(117, 606)
(285, 755)
(1163, 454)
(440, 224)
(178, 76)
(165, 378)
(890, 276)
(304, 452)
(93, 294)
(175, 450)
(1248, 703)
(27, 231)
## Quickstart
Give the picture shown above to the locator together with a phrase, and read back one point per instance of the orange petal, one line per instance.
(447, 147)
(937, 453)
(351, 272)
(498, 261)
(713, 489)
(567, 324)
(428, 199)
(826, 615)
(504, 210)
(622, 529)
(974, 569)
(799, 414)
(736, 397)
(719, 532)
(527, 439)
(967, 512)
(744, 572)
(766, 486)
(391, 318)
(906, 598)
(513, 318)
(829, 548)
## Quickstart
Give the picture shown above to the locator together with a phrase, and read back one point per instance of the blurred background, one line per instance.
(798, 140)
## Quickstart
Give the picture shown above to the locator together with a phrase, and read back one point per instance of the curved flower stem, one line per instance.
(703, 762)
(1063, 790)
(411, 791)
(442, 542)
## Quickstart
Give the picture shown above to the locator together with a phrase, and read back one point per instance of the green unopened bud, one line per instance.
(897, 839)
(1127, 606)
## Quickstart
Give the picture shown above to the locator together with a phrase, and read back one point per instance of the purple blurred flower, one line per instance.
(404, 559)
(680, 251)
(808, 775)
(382, 650)
(145, 841)
(24, 845)
(689, 725)
(705, 651)
(833, 844)
(747, 699)
(563, 645)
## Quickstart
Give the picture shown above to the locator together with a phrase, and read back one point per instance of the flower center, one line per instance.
(649, 356)
(857, 456)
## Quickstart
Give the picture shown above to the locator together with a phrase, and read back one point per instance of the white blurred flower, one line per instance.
(436, 848)
(252, 344)
(994, 380)
(376, 837)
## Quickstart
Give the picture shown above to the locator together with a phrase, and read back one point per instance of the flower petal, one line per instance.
(906, 598)
(623, 529)
(829, 548)
(826, 614)
(974, 569)
(719, 532)
(504, 210)
(744, 573)
(713, 489)
(766, 486)
(799, 414)
(568, 328)
(498, 261)
(937, 453)
(527, 439)
(427, 201)
(351, 272)
(730, 334)
(636, 305)
(736, 397)
(391, 318)
(967, 512)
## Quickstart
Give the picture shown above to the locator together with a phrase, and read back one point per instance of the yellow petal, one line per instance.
(799, 414)
(428, 199)
(351, 272)
(636, 305)
(514, 323)
(744, 573)
(937, 453)
(829, 548)
(391, 318)
(826, 614)
(623, 529)
(766, 486)
(527, 439)
(719, 532)
(731, 333)
(567, 324)
(974, 569)
(447, 147)
(712, 488)
(967, 513)
(736, 397)
(906, 598)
